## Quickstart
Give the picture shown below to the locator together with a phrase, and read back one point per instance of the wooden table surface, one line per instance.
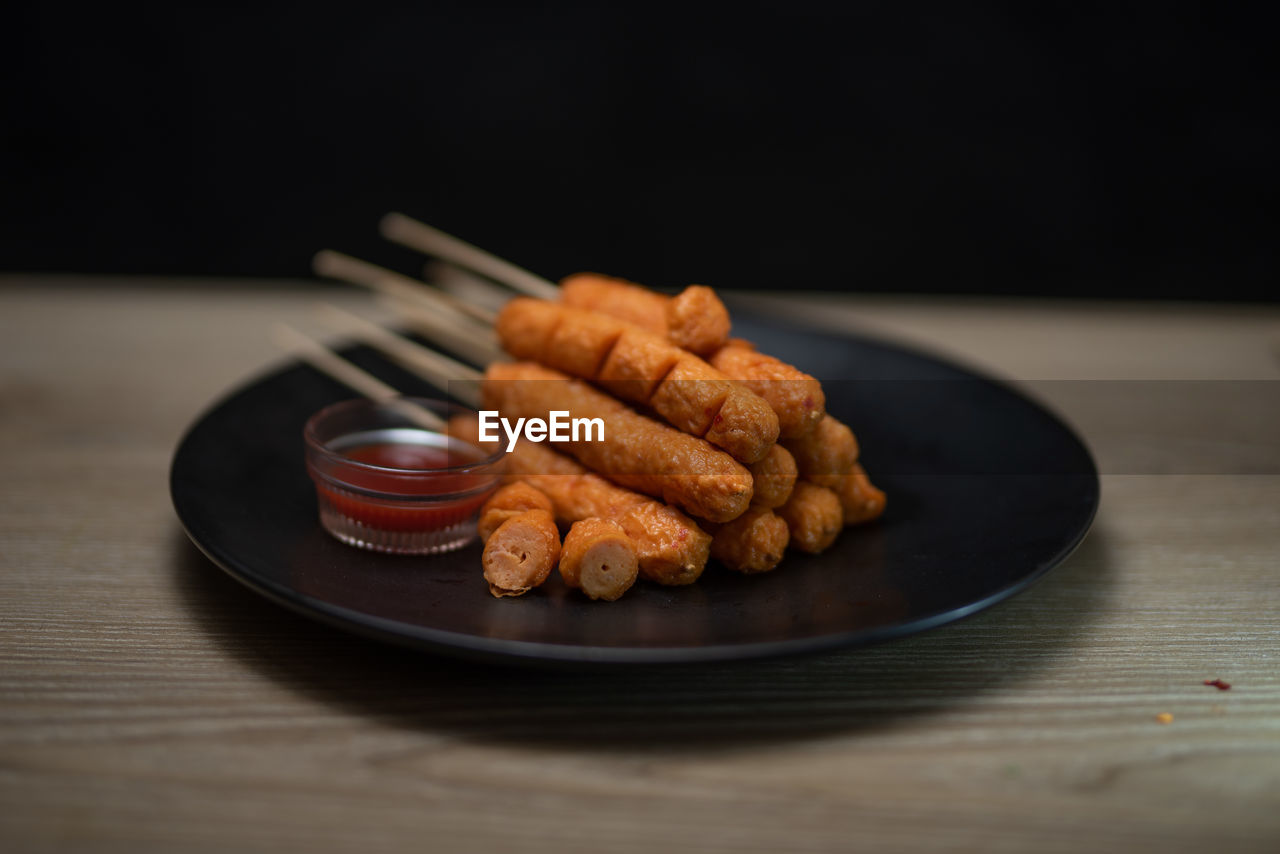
(150, 703)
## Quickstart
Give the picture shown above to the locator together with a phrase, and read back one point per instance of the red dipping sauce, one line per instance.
(387, 484)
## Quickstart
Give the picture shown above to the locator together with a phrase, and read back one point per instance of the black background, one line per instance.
(1118, 150)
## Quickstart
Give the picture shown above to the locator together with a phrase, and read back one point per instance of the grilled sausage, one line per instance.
(860, 500)
(599, 559)
(694, 320)
(670, 547)
(831, 449)
(637, 452)
(814, 517)
(754, 542)
(795, 397)
(643, 368)
(511, 500)
(521, 553)
(773, 478)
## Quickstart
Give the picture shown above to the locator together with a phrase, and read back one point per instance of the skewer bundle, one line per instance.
(711, 449)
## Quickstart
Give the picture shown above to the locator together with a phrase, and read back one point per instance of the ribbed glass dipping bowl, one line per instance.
(394, 506)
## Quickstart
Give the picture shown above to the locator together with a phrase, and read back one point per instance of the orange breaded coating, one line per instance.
(686, 389)
(860, 500)
(814, 517)
(670, 547)
(643, 368)
(530, 328)
(521, 553)
(511, 500)
(830, 449)
(577, 345)
(754, 542)
(637, 452)
(745, 426)
(616, 298)
(694, 320)
(697, 320)
(599, 559)
(636, 365)
(673, 549)
(773, 478)
(795, 397)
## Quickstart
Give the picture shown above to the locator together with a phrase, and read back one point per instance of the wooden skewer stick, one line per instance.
(337, 265)
(428, 287)
(331, 364)
(421, 360)
(478, 347)
(463, 332)
(431, 366)
(406, 231)
(466, 285)
(441, 379)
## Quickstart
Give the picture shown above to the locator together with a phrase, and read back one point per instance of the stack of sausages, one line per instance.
(711, 449)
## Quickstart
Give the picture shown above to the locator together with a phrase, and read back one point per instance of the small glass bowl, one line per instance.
(387, 483)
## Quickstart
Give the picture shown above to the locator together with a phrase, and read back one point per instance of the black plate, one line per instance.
(987, 491)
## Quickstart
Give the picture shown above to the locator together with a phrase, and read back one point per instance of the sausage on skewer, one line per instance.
(636, 452)
(598, 558)
(830, 449)
(643, 368)
(754, 542)
(860, 500)
(694, 320)
(795, 397)
(521, 553)
(697, 321)
(773, 478)
(511, 500)
(670, 547)
(814, 516)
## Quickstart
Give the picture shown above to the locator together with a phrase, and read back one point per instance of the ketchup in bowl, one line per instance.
(387, 484)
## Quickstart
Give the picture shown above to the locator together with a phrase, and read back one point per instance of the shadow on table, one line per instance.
(860, 689)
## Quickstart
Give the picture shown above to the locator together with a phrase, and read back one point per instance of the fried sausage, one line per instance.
(773, 478)
(814, 517)
(617, 298)
(694, 320)
(795, 397)
(511, 500)
(831, 449)
(598, 558)
(637, 452)
(643, 368)
(860, 500)
(697, 320)
(521, 553)
(754, 542)
(670, 547)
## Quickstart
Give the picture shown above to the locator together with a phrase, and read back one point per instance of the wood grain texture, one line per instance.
(148, 703)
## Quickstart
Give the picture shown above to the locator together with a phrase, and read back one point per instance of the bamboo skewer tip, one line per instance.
(320, 357)
(407, 231)
(394, 224)
(324, 263)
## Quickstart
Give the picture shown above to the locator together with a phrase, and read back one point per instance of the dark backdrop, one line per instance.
(1128, 150)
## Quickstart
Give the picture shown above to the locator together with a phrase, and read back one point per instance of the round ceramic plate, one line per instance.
(987, 491)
